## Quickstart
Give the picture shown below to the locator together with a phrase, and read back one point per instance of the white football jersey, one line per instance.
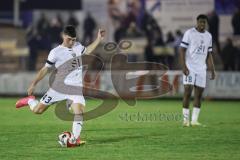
(198, 46)
(60, 55)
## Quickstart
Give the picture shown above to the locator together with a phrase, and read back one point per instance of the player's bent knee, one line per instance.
(39, 109)
(77, 108)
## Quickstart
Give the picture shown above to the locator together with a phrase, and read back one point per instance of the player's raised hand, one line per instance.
(213, 75)
(101, 34)
(185, 71)
(30, 90)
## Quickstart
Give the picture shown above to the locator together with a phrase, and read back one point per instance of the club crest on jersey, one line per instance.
(74, 55)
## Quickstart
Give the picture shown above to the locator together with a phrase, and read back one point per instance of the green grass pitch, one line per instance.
(27, 136)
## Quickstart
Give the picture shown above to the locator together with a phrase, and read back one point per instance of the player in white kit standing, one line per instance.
(196, 58)
(57, 57)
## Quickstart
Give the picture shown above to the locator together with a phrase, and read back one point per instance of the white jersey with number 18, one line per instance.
(198, 45)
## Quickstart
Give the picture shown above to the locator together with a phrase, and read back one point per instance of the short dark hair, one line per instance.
(70, 31)
(202, 16)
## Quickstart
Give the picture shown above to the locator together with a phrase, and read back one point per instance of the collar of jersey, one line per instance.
(69, 49)
(198, 31)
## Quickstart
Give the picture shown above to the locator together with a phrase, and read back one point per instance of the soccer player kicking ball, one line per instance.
(67, 51)
(195, 52)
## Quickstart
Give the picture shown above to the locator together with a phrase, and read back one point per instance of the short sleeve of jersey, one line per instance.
(51, 59)
(79, 48)
(185, 40)
(210, 45)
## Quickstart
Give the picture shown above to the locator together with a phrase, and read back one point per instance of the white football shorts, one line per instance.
(195, 79)
(53, 96)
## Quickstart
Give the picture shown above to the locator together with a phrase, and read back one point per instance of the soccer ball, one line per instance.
(66, 139)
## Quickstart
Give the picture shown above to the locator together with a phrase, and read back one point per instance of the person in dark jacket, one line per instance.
(236, 22)
(228, 55)
(89, 26)
(214, 29)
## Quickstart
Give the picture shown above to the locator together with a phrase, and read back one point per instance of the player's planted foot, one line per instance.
(80, 142)
(76, 144)
(196, 123)
(23, 101)
(186, 124)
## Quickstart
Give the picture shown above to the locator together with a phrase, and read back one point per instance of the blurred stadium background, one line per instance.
(29, 29)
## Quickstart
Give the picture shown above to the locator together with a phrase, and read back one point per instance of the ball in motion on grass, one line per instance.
(66, 139)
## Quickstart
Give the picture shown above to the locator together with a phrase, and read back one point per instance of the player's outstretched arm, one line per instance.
(182, 52)
(40, 75)
(210, 65)
(93, 45)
